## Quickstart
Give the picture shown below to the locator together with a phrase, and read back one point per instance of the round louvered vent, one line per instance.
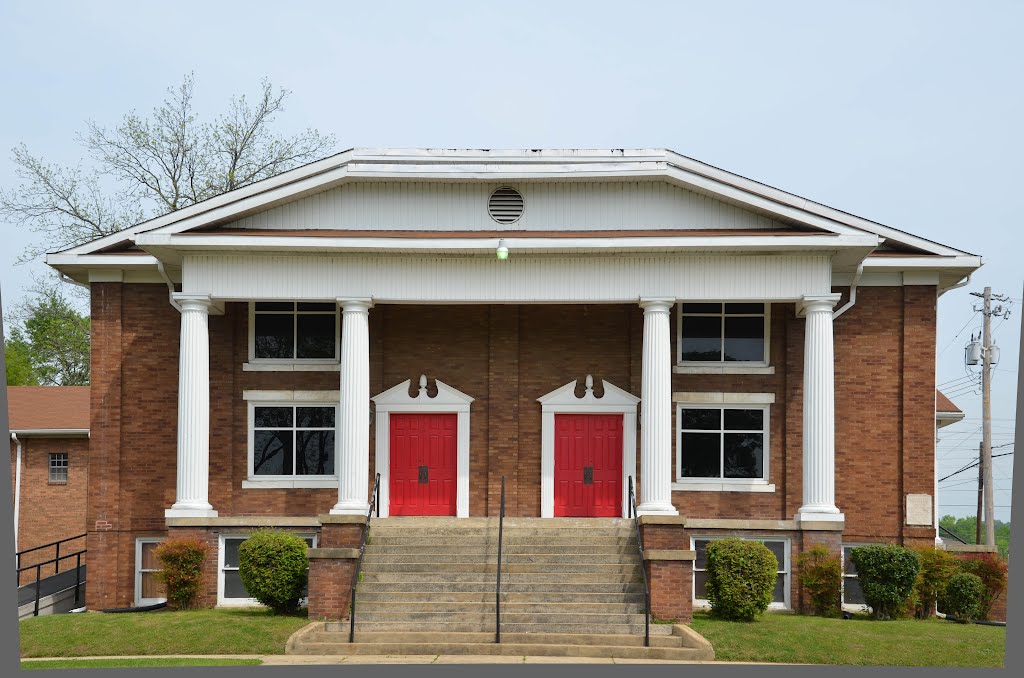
(505, 205)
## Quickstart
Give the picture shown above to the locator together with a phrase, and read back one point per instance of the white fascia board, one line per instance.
(51, 432)
(943, 419)
(970, 262)
(122, 261)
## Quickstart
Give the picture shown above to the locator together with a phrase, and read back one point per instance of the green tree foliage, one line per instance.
(49, 340)
(992, 570)
(962, 597)
(274, 568)
(937, 568)
(887, 575)
(966, 529)
(183, 562)
(821, 575)
(741, 576)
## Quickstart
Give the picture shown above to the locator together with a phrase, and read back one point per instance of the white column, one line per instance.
(819, 427)
(193, 410)
(656, 411)
(353, 457)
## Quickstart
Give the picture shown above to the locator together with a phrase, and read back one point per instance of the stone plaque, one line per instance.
(919, 509)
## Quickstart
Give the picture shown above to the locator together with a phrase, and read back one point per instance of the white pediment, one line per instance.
(447, 399)
(563, 399)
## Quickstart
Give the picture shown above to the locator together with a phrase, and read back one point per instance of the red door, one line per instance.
(423, 464)
(588, 465)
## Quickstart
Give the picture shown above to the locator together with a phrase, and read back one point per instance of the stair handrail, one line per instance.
(643, 568)
(77, 555)
(497, 588)
(19, 554)
(374, 508)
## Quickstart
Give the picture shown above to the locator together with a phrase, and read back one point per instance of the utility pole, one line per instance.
(981, 485)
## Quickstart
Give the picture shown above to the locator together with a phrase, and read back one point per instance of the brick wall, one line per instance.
(504, 356)
(49, 511)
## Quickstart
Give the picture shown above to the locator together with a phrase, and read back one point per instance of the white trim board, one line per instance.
(447, 401)
(564, 400)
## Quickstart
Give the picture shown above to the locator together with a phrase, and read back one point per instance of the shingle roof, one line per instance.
(944, 404)
(33, 408)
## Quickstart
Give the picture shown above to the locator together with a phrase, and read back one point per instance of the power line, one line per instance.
(969, 320)
(994, 456)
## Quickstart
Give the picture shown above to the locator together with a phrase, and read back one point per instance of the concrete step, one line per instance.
(502, 649)
(381, 560)
(506, 568)
(462, 534)
(487, 596)
(507, 627)
(469, 587)
(491, 522)
(507, 578)
(547, 618)
(406, 546)
(341, 636)
(507, 608)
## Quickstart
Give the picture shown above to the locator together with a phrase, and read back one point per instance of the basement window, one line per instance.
(722, 333)
(58, 468)
(230, 590)
(285, 331)
(853, 595)
(149, 590)
(780, 547)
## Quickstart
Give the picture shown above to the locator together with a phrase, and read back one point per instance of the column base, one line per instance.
(656, 509)
(350, 509)
(812, 519)
(177, 511)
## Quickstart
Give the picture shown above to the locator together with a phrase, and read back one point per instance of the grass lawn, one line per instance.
(778, 637)
(239, 631)
(135, 663)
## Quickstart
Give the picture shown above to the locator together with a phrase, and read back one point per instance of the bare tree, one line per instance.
(148, 165)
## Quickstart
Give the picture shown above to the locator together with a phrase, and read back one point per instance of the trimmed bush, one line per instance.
(821, 575)
(183, 561)
(962, 597)
(991, 568)
(887, 575)
(740, 579)
(274, 568)
(937, 568)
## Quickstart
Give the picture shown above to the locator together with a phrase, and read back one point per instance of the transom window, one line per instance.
(293, 440)
(722, 443)
(289, 330)
(59, 468)
(780, 547)
(232, 591)
(722, 332)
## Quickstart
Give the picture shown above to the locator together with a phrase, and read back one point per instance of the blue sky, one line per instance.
(905, 113)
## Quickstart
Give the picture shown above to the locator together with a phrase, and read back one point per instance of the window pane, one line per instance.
(317, 306)
(743, 455)
(744, 308)
(701, 455)
(275, 306)
(315, 453)
(699, 580)
(316, 336)
(852, 592)
(779, 592)
(744, 339)
(272, 453)
(848, 566)
(744, 420)
(705, 420)
(273, 417)
(231, 551)
(779, 549)
(700, 547)
(233, 585)
(314, 417)
(152, 587)
(275, 336)
(702, 308)
(149, 559)
(702, 338)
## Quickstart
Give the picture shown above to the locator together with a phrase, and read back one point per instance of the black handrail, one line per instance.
(374, 507)
(952, 534)
(19, 554)
(497, 588)
(643, 566)
(38, 567)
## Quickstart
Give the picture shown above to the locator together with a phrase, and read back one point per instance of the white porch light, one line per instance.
(502, 250)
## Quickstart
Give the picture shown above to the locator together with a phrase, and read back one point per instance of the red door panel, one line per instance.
(417, 441)
(594, 441)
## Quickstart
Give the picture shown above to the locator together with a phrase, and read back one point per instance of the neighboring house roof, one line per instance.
(57, 411)
(163, 239)
(946, 412)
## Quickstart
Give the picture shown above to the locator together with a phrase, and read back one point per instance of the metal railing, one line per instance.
(497, 588)
(56, 557)
(77, 555)
(643, 566)
(374, 508)
(952, 534)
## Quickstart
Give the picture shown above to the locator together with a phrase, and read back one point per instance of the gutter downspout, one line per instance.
(17, 488)
(853, 292)
(962, 283)
(170, 285)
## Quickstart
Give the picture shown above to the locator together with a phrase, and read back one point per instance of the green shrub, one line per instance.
(183, 562)
(962, 597)
(274, 568)
(887, 575)
(821, 575)
(937, 568)
(991, 568)
(740, 578)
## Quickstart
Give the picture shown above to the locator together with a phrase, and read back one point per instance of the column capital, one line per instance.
(193, 302)
(656, 304)
(817, 303)
(355, 304)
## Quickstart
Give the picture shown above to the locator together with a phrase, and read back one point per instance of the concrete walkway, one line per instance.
(296, 660)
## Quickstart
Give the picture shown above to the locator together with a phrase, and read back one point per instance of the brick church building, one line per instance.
(571, 321)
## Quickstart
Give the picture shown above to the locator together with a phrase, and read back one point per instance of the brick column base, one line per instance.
(669, 564)
(330, 588)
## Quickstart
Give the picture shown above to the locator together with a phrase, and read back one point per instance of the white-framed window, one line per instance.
(722, 333)
(292, 441)
(58, 468)
(853, 596)
(294, 332)
(230, 590)
(722, 444)
(149, 590)
(780, 547)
